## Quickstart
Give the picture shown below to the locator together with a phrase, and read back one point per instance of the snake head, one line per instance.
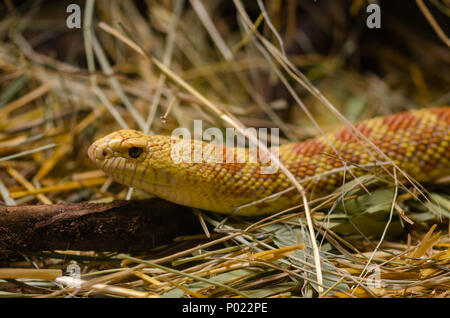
(123, 144)
(152, 163)
(132, 158)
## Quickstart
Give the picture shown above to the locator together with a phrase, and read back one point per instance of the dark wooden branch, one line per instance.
(122, 226)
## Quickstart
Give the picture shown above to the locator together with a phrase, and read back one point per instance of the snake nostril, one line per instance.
(104, 153)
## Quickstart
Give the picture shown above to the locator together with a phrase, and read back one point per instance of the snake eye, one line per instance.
(135, 152)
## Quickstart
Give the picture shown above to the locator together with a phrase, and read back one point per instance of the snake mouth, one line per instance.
(99, 152)
(97, 156)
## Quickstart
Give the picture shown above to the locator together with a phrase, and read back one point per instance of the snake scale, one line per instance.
(416, 141)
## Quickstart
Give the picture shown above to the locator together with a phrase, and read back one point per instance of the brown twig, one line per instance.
(129, 226)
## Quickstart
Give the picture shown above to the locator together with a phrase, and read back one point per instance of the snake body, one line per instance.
(417, 142)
